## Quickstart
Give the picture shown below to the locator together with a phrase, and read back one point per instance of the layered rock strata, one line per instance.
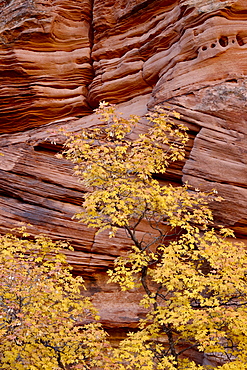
(45, 64)
(59, 58)
(191, 55)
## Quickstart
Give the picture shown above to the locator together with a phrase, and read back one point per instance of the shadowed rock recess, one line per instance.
(59, 58)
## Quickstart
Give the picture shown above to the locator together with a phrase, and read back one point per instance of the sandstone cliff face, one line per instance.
(45, 62)
(193, 56)
(59, 58)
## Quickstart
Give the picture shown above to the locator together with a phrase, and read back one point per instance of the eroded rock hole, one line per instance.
(213, 45)
(240, 40)
(223, 41)
(204, 48)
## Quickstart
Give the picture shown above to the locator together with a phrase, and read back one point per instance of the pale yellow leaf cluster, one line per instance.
(45, 323)
(119, 169)
(194, 279)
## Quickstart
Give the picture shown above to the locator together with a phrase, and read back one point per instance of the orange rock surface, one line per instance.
(45, 62)
(59, 58)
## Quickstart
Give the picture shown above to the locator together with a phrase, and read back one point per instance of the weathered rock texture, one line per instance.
(45, 63)
(59, 58)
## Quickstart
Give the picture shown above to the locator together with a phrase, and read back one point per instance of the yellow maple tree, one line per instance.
(45, 323)
(193, 277)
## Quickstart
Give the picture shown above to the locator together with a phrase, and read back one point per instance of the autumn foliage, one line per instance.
(45, 324)
(193, 278)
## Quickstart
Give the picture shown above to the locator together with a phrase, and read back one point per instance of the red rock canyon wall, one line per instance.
(59, 58)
